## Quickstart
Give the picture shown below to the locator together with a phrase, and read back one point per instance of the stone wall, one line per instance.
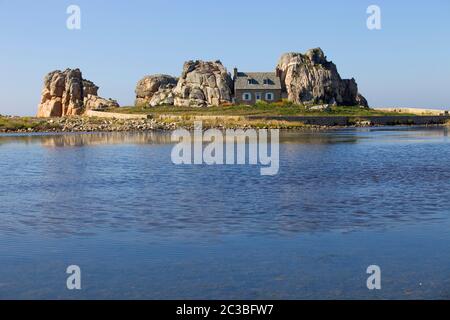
(101, 114)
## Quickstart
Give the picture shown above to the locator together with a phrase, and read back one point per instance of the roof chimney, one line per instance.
(235, 73)
(278, 72)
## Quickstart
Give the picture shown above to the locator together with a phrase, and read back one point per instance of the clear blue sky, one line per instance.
(407, 63)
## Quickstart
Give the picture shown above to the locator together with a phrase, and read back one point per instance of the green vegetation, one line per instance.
(187, 121)
(23, 123)
(225, 116)
(284, 108)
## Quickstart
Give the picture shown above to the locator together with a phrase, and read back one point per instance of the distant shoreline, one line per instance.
(416, 111)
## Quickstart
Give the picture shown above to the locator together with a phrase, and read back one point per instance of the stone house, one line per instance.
(251, 87)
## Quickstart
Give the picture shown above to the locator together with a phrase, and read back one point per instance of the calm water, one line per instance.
(141, 227)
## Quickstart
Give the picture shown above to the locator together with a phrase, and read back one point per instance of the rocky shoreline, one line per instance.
(82, 124)
(91, 124)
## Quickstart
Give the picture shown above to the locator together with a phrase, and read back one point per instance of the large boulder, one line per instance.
(65, 94)
(310, 79)
(163, 97)
(203, 84)
(159, 85)
(92, 102)
(62, 94)
(361, 101)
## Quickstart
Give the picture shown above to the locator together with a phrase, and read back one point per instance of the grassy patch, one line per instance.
(23, 123)
(260, 109)
(16, 123)
(232, 123)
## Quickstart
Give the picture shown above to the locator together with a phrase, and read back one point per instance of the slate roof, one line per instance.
(241, 81)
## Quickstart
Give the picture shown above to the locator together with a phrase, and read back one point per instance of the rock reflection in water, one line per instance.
(86, 139)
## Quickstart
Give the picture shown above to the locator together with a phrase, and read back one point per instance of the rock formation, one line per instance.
(66, 93)
(92, 102)
(203, 84)
(155, 90)
(163, 97)
(310, 78)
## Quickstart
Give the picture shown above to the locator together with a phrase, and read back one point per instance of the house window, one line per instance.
(247, 96)
(269, 96)
(266, 81)
(250, 81)
(258, 96)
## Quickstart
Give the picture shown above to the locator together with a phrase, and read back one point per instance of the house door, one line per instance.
(258, 96)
